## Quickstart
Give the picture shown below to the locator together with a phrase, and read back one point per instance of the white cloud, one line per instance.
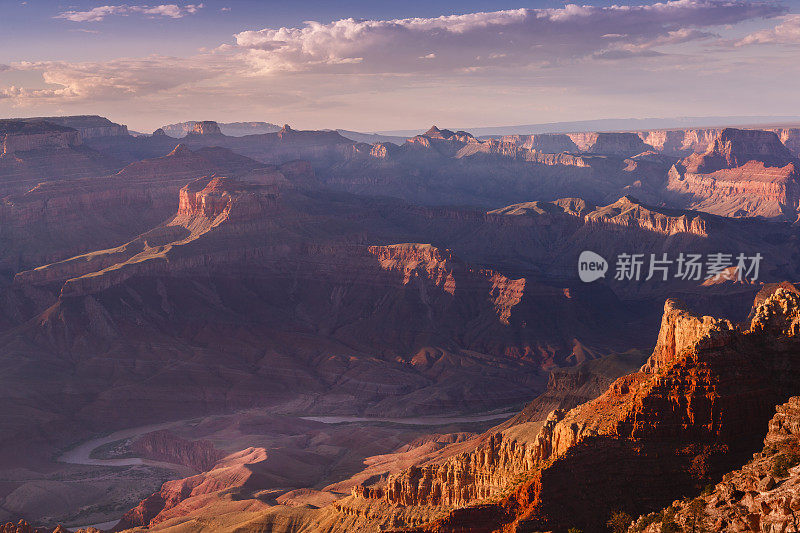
(520, 37)
(787, 32)
(98, 14)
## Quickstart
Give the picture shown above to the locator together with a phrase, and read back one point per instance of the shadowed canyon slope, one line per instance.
(761, 496)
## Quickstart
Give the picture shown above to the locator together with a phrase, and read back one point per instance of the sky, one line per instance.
(377, 66)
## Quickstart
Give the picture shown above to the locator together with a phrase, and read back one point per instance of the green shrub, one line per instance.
(782, 464)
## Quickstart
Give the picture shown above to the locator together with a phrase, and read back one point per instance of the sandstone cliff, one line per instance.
(18, 136)
(743, 173)
(623, 144)
(680, 421)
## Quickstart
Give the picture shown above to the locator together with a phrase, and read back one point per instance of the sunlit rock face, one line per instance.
(743, 173)
(685, 418)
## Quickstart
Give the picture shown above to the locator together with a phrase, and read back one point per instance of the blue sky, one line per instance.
(380, 65)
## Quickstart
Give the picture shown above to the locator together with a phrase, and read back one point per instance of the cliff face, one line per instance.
(761, 496)
(22, 136)
(734, 148)
(619, 144)
(681, 421)
(89, 126)
(677, 142)
(199, 455)
(623, 144)
(790, 137)
(743, 173)
(32, 152)
(12, 143)
(547, 143)
(233, 129)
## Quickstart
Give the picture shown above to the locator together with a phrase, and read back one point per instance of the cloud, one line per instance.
(98, 14)
(398, 63)
(520, 37)
(112, 80)
(787, 32)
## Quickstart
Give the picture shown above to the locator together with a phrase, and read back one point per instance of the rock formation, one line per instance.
(734, 148)
(549, 143)
(761, 496)
(199, 455)
(622, 144)
(18, 136)
(24, 527)
(680, 422)
(743, 173)
(36, 151)
(206, 127)
(58, 219)
(89, 126)
(231, 129)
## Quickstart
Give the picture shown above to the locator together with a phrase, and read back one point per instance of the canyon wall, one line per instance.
(56, 140)
(89, 126)
(684, 419)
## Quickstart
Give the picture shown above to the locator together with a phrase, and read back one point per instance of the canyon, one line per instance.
(232, 293)
(679, 422)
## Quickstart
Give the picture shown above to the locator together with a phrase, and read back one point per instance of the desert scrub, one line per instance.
(782, 464)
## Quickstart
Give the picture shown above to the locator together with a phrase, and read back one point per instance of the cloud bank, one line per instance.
(561, 63)
(502, 38)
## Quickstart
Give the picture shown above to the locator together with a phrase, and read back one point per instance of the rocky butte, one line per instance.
(205, 127)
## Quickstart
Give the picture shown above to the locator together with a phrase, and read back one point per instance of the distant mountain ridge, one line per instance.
(618, 124)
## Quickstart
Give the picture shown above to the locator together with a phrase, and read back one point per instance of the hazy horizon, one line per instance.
(366, 67)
